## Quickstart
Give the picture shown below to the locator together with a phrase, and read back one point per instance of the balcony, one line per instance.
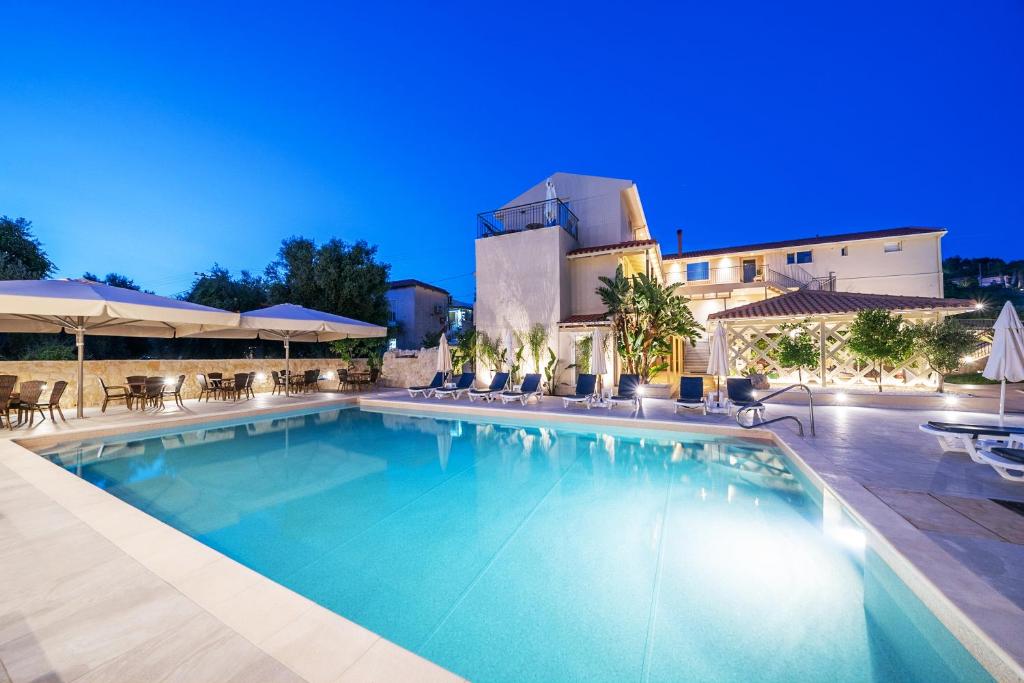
(753, 275)
(543, 214)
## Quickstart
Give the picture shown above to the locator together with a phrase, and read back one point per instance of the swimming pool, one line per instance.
(547, 552)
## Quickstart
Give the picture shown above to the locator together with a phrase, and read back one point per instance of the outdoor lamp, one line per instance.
(261, 377)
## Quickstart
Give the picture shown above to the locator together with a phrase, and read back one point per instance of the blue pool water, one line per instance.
(542, 553)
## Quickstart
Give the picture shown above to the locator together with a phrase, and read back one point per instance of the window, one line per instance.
(890, 247)
(392, 344)
(844, 251)
(798, 257)
(697, 271)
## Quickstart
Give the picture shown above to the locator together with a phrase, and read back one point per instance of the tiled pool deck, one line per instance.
(95, 590)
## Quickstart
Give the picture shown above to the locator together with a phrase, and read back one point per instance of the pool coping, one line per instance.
(313, 642)
(975, 613)
(967, 606)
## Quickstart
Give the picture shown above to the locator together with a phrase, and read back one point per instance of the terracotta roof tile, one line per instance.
(634, 244)
(584, 318)
(809, 241)
(815, 302)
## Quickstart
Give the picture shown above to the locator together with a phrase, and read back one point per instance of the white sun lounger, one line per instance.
(1006, 468)
(968, 438)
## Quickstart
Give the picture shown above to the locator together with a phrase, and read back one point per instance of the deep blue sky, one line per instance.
(156, 138)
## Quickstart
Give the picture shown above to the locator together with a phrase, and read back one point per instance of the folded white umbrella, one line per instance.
(289, 323)
(550, 203)
(83, 307)
(1006, 361)
(598, 364)
(444, 356)
(718, 359)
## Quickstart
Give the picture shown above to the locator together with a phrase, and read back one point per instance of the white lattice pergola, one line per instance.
(754, 331)
(752, 344)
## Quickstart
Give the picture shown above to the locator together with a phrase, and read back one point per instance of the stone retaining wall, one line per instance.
(409, 370)
(115, 372)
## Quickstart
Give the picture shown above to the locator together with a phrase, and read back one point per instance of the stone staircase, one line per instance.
(695, 358)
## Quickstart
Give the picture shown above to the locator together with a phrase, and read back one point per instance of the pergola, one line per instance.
(754, 329)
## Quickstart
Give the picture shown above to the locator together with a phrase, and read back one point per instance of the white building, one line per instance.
(539, 257)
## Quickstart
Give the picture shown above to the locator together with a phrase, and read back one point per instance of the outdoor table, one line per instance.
(224, 385)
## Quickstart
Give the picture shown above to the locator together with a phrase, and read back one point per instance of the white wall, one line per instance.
(522, 279)
(584, 274)
(596, 201)
(914, 271)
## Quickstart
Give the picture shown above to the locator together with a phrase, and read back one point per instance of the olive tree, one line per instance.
(795, 348)
(943, 344)
(878, 337)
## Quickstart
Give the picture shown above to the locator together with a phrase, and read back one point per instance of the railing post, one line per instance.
(822, 352)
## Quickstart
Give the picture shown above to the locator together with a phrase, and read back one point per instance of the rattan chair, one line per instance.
(28, 401)
(115, 393)
(136, 391)
(279, 384)
(175, 391)
(154, 392)
(7, 383)
(238, 387)
(311, 379)
(204, 388)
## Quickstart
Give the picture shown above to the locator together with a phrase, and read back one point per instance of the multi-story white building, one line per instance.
(539, 257)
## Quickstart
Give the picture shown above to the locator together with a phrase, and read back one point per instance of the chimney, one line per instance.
(679, 241)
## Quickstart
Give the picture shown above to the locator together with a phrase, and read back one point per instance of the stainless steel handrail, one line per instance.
(810, 409)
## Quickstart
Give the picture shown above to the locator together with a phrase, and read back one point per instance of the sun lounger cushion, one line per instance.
(1014, 454)
(975, 430)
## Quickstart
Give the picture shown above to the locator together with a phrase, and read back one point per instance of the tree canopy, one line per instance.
(944, 344)
(795, 348)
(878, 336)
(336, 277)
(21, 255)
(218, 289)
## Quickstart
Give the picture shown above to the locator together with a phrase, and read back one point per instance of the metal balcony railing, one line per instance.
(747, 274)
(543, 214)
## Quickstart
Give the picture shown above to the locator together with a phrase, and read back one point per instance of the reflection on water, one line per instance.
(615, 555)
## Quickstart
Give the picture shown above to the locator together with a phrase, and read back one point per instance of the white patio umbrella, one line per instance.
(289, 323)
(598, 363)
(444, 356)
(84, 307)
(718, 359)
(551, 205)
(1006, 361)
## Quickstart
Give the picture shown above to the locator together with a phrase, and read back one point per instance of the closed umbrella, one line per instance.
(551, 204)
(718, 359)
(1006, 361)
(444, 356)
(84, 307)
(289, 323)
(598, 365)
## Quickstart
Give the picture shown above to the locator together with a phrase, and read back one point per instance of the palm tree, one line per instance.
(645, 316)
